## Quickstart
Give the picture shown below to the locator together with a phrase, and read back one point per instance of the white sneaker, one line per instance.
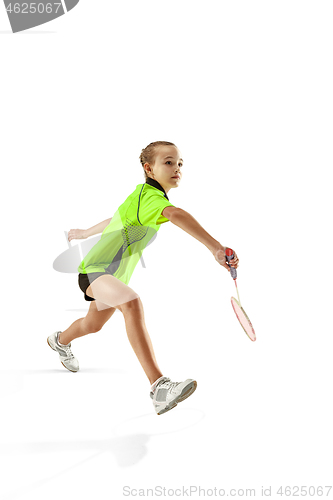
(166, 394)
(65, 354)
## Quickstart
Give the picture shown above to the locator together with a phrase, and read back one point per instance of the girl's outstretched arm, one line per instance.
(81, 234)
(99, 228)
(190, 225)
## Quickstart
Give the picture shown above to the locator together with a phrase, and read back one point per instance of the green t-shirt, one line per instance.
(133, 225)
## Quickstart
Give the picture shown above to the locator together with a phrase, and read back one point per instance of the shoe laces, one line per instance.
(67, 349)
(69, 353)
(167, 384)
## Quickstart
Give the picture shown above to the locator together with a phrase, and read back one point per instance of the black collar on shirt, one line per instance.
(157, 185)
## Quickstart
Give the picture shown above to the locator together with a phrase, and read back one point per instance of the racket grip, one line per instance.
(229, 255)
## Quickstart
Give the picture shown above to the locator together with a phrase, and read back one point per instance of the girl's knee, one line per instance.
(133, 302)
(89, 326)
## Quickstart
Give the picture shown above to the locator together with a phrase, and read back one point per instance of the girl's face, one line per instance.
(168, 164)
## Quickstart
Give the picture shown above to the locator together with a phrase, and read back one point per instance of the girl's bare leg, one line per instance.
(139, 338)
(93, 322)
(114, 293)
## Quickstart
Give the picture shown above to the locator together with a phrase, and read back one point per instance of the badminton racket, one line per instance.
(236, 304)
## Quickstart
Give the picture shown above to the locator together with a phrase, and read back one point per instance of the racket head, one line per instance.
(243, 319)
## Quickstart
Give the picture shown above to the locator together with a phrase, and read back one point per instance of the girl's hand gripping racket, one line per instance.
(239, 311)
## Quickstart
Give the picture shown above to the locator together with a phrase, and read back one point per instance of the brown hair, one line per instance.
(148, 154)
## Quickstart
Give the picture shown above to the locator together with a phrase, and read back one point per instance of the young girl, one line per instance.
(105, 272)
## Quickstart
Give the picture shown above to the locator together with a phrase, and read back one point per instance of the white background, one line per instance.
(244, 89)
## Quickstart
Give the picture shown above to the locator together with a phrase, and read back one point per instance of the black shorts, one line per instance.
(85, 280)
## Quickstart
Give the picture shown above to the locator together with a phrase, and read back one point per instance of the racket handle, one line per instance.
(229, 255)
